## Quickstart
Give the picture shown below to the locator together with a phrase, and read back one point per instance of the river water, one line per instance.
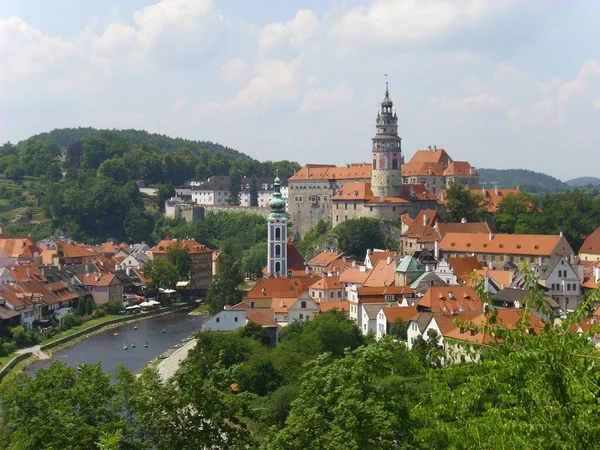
(106, 348)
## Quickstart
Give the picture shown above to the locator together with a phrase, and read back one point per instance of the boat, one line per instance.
(164, 331)
(79, 366)
(146, 345)
(125, 347)
(186, 339)
(135, 328)
(116, 334)
(133, 345)
(162, 357)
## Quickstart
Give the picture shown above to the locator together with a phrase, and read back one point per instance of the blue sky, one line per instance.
(500, 83)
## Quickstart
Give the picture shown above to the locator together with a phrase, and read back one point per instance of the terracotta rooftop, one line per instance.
(406, 313)
(194, 247)
(366, 291)
(437, 156)
(325, 283)
(280, 287)
(383, 274)
(376, 256)
(463, 267)
(331, 172)
(328, 306)
(511, 244)
(491, 197)
(458, 168)
(420, 169)
(74, 251)
(324, 258)
(15, 247)
(449, 299)
(592, 243)
(96, 278)
(354, 275)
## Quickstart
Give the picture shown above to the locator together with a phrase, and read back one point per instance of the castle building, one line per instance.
(277, 234)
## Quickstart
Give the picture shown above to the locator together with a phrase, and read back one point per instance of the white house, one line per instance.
(6, 278)
(387, 316)
(562, 282)
(134, 261)
(226, 320)
(368, 313)
(288, 310)
(352, 279)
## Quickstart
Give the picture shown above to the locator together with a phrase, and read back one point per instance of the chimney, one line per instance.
(436, 249)
(306, 270)
(518, 188)
(496, 190)
(561, 234)
(425, 220)
(450, 294)
(282, 304)
(442, 196)
(307, 172)
(483, 190)
(128, 271)
(395, 259)
(412, 190)
(389, 260)
(344, 258)
(491, 236)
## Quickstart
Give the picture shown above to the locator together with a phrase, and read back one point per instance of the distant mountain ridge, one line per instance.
(166, 144)
(528, 180)
(583, 181)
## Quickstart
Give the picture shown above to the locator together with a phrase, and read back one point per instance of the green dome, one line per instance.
(277, 204)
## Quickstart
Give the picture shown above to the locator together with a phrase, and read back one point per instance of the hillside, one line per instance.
(166, 144)
(583, 181)
(529, 180)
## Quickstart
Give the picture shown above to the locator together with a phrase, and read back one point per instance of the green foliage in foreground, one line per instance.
(325, 386)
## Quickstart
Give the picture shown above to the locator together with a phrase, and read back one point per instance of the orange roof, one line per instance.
(406, 313)
(74, 250)
(458, 168)
(511, 244)
(383, 274)
(338, 266)
(14, 247)
(592, 243)
(331, 172)
(47, 255)
(367, 291)
(437, 156)
(325, 257)
(24, 272)
(491, 198)
(193, 246)
(448, 299)
(280, 287)
(421, 169)
(108, 247)
(375, 257)
(96, 278)
(356, 190)
(424, 220)
(261, 316)
(283, 304)
(463, 267)
(328, 283)
(501, 277)
(354, 275)
(328, 306)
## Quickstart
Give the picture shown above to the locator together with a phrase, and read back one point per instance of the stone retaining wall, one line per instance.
(13, 362)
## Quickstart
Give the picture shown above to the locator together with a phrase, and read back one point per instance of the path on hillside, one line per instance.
(36, 351)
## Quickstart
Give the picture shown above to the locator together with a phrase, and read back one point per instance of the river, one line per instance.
(106, 348)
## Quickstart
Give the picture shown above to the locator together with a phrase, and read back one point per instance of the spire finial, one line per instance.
(387, 93)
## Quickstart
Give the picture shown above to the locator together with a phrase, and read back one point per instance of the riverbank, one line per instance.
(72, 337)
(167, 367)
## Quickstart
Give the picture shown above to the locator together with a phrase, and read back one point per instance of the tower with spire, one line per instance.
(277, 233)
(386, 175)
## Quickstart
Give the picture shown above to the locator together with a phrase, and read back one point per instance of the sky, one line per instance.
(499, 83)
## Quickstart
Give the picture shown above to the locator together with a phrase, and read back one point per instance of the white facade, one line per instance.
(226, 320)
(446, 274)
(380, 325)
(277, 247)
(6, 278)
(563, 285)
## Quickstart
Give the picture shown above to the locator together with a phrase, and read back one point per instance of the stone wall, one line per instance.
(213, 209)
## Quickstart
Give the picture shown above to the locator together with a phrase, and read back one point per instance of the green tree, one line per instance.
(95, 151)
(399, 329)
(37, 156)
(255, 259)
(509, 210)
(225, 288)
(165, 192)
(114, 168)
(138, 225)
(464, 204)
(235, 188)
(179, 255)
(339, 405)
(253, 191)
(356, 236)
(164, 274)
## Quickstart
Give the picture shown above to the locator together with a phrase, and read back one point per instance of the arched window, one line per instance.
(277, 233)
(278, 250)
(277, 267)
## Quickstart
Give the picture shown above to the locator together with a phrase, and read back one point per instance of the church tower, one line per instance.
(277, 234)
(386, 175)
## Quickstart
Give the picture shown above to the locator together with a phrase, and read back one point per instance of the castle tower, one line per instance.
(277, 234)
(386, 176)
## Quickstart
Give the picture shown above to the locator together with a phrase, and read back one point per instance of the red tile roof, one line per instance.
(15, 247)
(280, 287)
(448, 299)
(331, 172)
(74, 251)
(354, 275)
(437, 156)
(463, 267)
(325, 257)
(383, 274)
(328, 306)
(511, 244)
(194, 247)
(96, 278)
(592, 243)
(327, 283)
(406, 313)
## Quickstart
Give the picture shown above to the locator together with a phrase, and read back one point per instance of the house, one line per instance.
(426, 280)
(450, 300)
(200, 259)
(383, 274)
(6, 277)
(590, 250)
(327, 289)
(266, 289)
(457, 271)
(388, 315)
(377, 295)
(226, 320)
(562, 282)
(495, 250)
(134, 261)
(374, 256)
(353, 279)
(338, 266)
(408, 270)
(491, 198)
(71, 254)
(340, 306)
(493, 280)
(516, 298)
(368, 317)
(322, 260)
(18, 249)
(104, 287)
(290, 309)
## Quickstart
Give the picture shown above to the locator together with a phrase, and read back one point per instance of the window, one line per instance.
(301, 316)
(354, 205)
(218, 320)
(277, 250)
(252, 304)
(303, 305)
(277, 233)
(277, 266)
(235, 319)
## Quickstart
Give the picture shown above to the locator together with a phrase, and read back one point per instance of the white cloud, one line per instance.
(393, 22)
(280, 36)
(273, 81)
(318, 99)
(236, 71)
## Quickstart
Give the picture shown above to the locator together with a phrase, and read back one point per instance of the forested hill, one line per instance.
(529, 180)
(66, 136)
(584, 181)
